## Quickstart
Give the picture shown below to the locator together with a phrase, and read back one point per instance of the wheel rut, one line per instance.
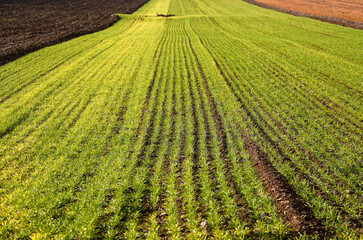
(289, 204)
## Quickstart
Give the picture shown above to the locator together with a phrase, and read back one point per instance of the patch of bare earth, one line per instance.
(29, 25)
(289, 204)
(348, 13)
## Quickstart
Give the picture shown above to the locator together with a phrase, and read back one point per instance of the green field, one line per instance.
(224, 121)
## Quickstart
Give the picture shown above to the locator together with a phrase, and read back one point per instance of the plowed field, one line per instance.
(224, 120)
(343, 12)
(28, 25)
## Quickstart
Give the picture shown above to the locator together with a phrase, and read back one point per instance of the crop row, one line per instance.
(223, 121)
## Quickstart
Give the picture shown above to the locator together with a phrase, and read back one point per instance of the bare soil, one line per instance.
(29, 25)
(348, 13)
(289, 204)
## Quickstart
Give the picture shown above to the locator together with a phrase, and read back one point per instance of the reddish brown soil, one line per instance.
(28, 25)
(347, 13)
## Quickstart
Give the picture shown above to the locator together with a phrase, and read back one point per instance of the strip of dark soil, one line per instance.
(162, 15)
(334, 20)
(295, 168)
(211, 168)
(196, 151)
(29, 25)
(264, 134)
(223, 146)
(289, 204)
(152, 85)
(160, 207)
(242, 205)
(353, 221)
(148, 209)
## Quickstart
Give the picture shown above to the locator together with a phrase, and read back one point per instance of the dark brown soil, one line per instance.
(341, 12)
(289, 204)
(29, 25)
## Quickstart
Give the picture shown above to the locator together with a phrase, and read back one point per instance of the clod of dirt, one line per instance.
(167, 15)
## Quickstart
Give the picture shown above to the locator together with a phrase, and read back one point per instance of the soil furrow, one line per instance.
(181, 157)
(147, 209)
(302, 175)
(265, 134)
(150, 88)
(211, 166)
(100, 224)
(224, 149)
(160, 209)
(222, 138)
(151, 125)
(128, 193)
(195, 123)
(79, 113)
(289, 203)
(196, 151)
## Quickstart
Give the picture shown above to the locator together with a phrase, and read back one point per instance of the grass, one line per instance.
(138, 130)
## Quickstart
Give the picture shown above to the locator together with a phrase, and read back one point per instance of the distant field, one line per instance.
(28, 25)
(224, 120)
(327, 10)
